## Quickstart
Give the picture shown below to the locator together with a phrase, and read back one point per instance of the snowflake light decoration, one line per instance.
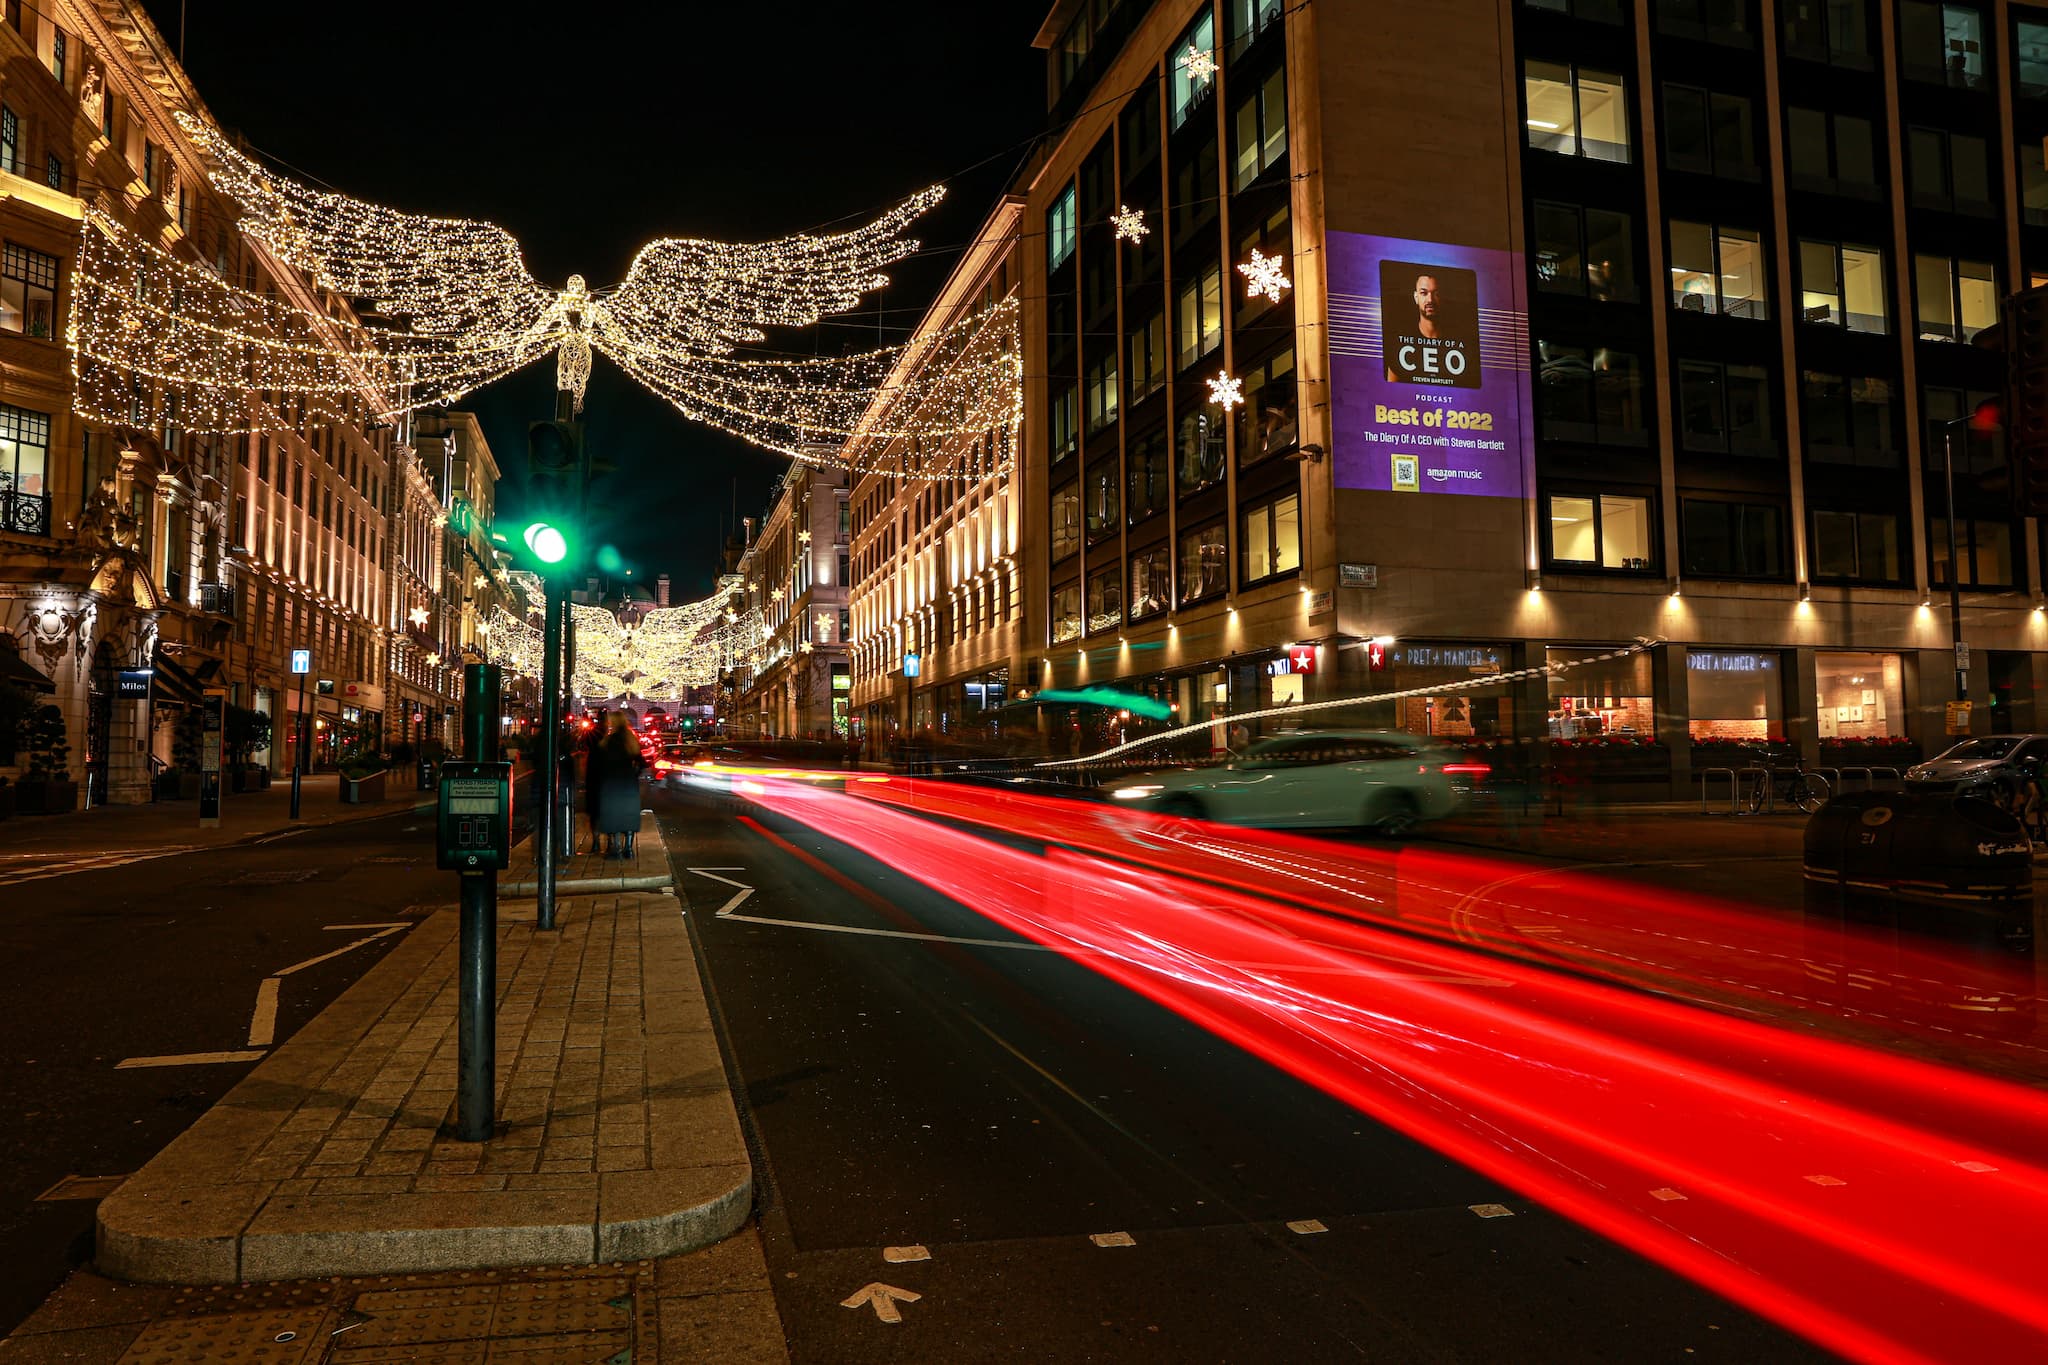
(1130, 223)
(418, 616)
(1265, 275)
(803, 537)
(1199, 65)
(1226, 392)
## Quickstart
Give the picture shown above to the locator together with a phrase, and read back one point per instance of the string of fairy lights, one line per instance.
(657, 656)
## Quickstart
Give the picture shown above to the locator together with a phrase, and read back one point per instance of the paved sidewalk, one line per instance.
(244, 815)
(617, 1136)
(588, 870)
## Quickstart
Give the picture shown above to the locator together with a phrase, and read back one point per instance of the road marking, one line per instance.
(903, 933)
(386, 925)
(315, 961)
(1307, 1227)
(882, 1297)
(1826, 1180)
(1492, 1210)
(65, 866)
(1113, 1239)
(81, 1187)
(898, 1255)
(725, 911)
(263, 1023)
(189, 1059)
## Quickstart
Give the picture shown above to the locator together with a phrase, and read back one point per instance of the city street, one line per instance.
(142, 986)
(1091, 1176)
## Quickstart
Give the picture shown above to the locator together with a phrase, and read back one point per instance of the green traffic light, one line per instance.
(548, 544)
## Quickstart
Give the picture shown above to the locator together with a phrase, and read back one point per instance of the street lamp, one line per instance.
(1983, 419)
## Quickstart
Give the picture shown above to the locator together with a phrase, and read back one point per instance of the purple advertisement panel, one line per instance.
(1429, 367)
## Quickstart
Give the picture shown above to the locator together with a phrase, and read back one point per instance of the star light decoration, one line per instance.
(1130, 223)
(445, 305)
(1226, 391)
(418, 616)
(1265, 275)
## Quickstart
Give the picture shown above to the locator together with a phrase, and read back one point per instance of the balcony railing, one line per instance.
(25, 514)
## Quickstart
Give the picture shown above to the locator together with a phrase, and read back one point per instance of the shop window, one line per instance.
(1859, 696)
(1594, 696)
(1585, 252)
(1983, 548)
(2033, 155)
(1831, 152)
(1066, 521)
(1574, 111)
(1833, 31)
(1147, 473)
(1102, 392)
(1715, 21)
(1943, 44)
(1718, 270)
(1151, 590)
(1189, 91)
(1848, 419)
(1601, 530)
(1105, 599)
(1200, 448)
(1204, 564)
(1103, 499)
(1147, 371)
(1725, 409)
(1955, 299)
(1709, 133)
(1855, 547)
(1268, 419)
(1201, 315)
(1059, 230)
(1597, 11)
(1732, 539)
(1261, 131)
(2030, 57)
(1066, 613)
(24, 471)
(1460, 712)
(1271, 536)
(1734, 697)
(1951, 436)
(1063, 432)
(1842, 285)
(1948, 171)
(1589, 394)
(28, 291)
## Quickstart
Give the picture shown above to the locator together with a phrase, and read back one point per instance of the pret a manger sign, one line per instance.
(1429, 367)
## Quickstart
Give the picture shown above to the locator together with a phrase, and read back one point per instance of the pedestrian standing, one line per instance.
(615, 784)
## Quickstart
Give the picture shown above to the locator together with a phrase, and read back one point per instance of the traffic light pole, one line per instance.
(565, 791)
(1955, 576)
(476, 963)
(545, 833)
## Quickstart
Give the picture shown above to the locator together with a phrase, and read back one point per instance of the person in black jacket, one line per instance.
(615, 785)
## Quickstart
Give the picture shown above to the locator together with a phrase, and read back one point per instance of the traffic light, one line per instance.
(555, 476)
(2026, 359)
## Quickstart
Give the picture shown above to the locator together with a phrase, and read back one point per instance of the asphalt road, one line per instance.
(110, 960)
(1003, 1108)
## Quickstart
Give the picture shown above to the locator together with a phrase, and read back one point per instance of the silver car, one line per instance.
(1986, 761)
(1382, 779)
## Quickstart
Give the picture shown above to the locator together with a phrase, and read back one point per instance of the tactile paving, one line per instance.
(277, 1336)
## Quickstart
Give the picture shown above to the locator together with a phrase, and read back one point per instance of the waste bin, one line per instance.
(1906, 846)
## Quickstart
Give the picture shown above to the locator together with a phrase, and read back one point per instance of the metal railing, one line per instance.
(26, 514)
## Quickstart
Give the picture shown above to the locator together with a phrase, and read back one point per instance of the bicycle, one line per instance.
(1795, 786)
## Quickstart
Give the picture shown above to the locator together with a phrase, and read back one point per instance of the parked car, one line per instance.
(1381, 779)
(1985, 761)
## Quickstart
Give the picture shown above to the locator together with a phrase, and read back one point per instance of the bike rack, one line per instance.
(1891, 776)
(1706, 776)
(1754, 776)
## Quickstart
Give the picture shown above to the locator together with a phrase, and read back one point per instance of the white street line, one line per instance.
(66, 867)
(189, 1059)
(725, 911)
(263, 1023)
(1112, 1239)
(388, 924)
(914, 1252)
(315, 961)
(1492, 1210)
(900, 933)
(883, 1298)
(1308, 1227)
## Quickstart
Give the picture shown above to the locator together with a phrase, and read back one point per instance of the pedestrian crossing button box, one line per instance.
(473, 824)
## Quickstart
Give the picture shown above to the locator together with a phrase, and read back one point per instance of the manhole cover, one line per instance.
(293, 874)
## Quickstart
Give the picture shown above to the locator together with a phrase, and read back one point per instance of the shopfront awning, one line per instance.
(22, 673)
(176, 683)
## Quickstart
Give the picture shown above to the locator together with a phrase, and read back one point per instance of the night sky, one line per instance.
(585, 134)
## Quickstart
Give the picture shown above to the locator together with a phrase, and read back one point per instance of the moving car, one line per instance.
(1986, 761)
(1385, 780)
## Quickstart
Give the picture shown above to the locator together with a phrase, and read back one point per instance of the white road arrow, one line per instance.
(744, 892)
(884, 1297)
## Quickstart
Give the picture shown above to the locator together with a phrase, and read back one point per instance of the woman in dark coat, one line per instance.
(615, 778)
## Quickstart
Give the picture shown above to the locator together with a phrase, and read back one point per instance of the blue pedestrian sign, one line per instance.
(302, 661)
(910, 665)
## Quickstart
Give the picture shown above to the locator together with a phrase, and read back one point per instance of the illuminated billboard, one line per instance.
(1429, 361)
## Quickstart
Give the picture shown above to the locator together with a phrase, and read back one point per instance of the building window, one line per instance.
(1948, 171)
(1955, 299)
(1201, 448)
(1984, 549)
(1585, 252)
(1597, 11)
(2034, 181)
(1575, 112)
(1204, 564)
(1855, 547)
(1950, 433)
(1848, 419)
(1151, 592)
(1271, 537)
(1245, 21)
(1261, 131)
(1201, 315)
(1830, 152)
(1146, 471)
(24, 470)
(1102, 392)
(1059, 230)
(1189, 90)
(59, 46)
(1601, 531)
(1834, 31)
(1942, 43)
(1842, 285)
(1066, 521)
(2030, 56)
(1103, 499)
(1063, 432)
(1725, 409)
(1709, 133)
(28, 291)
(1066, 613)
(1148, 357)
(53, 171)
(10, 141)
(1718, 270)
(149, 160)
(1591, 394)
(1732, 539)
(1268, 421)
(1715, 21)
(1105, 599)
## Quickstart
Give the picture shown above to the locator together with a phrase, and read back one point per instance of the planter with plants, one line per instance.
(185, 756)
(244, 732)
(362, 780)
(45, 786)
